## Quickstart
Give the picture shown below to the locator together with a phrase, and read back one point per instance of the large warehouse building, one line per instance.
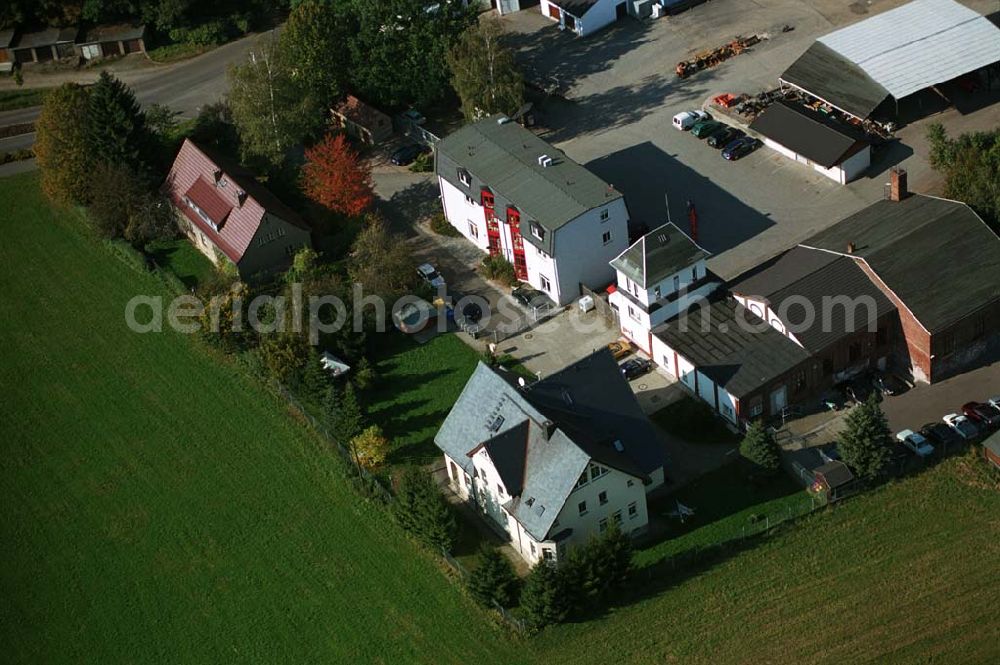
(872, 65)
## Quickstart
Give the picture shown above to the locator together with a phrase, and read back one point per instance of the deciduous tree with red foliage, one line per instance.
(336, 178)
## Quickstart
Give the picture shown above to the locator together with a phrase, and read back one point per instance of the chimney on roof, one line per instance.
(548, 428)
(897, 184)
(241, 197)
(850, 248)
(218, 175)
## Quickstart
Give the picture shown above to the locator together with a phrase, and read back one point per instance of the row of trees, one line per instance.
(586, 581)
(92, 146)
(971, 168)
(393, 53)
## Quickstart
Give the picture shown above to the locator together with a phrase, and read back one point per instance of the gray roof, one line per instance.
(992, 443)
(6, 36)
(896, 53)
(113, 33)
(835, 473)
(819, 278)
(936, 255)
(505, 158)
(658, 254)
(46, 37)
(575, 7)
(809, 134)
(541, 437)
(737, 350)
(824, 73)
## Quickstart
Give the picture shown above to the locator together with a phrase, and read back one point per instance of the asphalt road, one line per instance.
(184, 87)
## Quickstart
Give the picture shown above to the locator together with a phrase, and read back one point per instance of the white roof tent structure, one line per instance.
(895, 54)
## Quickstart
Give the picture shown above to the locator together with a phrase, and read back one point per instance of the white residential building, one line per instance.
(555, 462)
(514, 195)
(659, 276)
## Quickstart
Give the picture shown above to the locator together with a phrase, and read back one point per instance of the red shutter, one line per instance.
(520, 265)
(492, 226)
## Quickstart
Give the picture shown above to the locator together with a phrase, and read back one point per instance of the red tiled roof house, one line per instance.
(229, 216)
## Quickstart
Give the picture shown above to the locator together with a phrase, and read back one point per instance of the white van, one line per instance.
(685, 120)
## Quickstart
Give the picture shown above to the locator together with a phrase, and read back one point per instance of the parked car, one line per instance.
(741, 147)
(685, 120)
(983, 414)
(915, 442)
(723, 138)
(941, 434)
(414, 116)
(635, 368)
(964, 427)
(429, 274)
(706, 128)
(405, 155)
(523, 295)
(619, 349)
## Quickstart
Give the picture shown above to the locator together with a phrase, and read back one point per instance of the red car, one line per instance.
(984, 414)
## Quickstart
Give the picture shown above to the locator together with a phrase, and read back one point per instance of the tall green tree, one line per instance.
(484, 73)
(971, 167)
(421, 509)
(116, 126)
(271, 109)
(494, 580)
(759, 447)
(865, 444)
(545, 597)
(380, 261)
(313, 38)
(399, 49)
(599, 568)
(350, 419)
(315, 378)
(61, 145)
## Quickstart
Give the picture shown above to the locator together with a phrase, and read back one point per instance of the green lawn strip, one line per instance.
(693, 421)
(727, 505)
(176, 52)
(160, 507)
(903, 574)
(21, 98)
(180, 257)
(418, 384)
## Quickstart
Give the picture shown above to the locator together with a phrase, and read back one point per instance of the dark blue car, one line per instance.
(740, 148)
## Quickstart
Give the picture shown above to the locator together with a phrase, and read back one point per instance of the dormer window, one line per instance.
(538, 232)
(604, 215)
(464, 177)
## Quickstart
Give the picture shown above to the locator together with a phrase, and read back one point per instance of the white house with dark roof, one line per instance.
(584, 17)
(229, 216)
(553, 463)
(658, 277)
(513, 195)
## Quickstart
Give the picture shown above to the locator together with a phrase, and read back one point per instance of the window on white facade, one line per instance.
(471, 201)
(602, 498)
(677, 282)
(532, 545)
(538, 250)
(473, 230)
(582, 506)
(582, 481)
(633, 511)
(606, 238)
(464, 177)
(604, 215)
(656, 293)
(632, 313)
(603, 525)
(630, 483)
(500, 490)
(545, 283)
(617, 516)
(694, 273)
(538, 231)
(548, 554)
(597, 471)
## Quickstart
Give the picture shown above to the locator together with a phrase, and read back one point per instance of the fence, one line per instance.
(601, 304)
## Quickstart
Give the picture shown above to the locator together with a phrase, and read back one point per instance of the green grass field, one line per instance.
(21, 98)
(180, 256)
(160, 508)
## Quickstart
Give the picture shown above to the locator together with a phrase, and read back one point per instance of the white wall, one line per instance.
(707, 390)
(598, 16)
(619, 495)
(580, 254)
(842, 173)
(461, 213)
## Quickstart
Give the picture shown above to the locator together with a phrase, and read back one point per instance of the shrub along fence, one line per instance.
(463, 574)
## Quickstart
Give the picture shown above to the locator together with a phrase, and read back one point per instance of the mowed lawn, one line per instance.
(158, 507)
(909, 573)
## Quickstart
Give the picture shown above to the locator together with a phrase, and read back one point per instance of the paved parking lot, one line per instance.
(622, 94)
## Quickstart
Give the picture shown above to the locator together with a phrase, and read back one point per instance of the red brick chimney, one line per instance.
(897, 184)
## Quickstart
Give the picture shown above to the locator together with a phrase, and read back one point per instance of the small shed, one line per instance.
(102, 41)
(333, 364)
(6, 58)
(991, 450)
(363, 122)
(839, 151)
(833, 479)
(44, 45)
